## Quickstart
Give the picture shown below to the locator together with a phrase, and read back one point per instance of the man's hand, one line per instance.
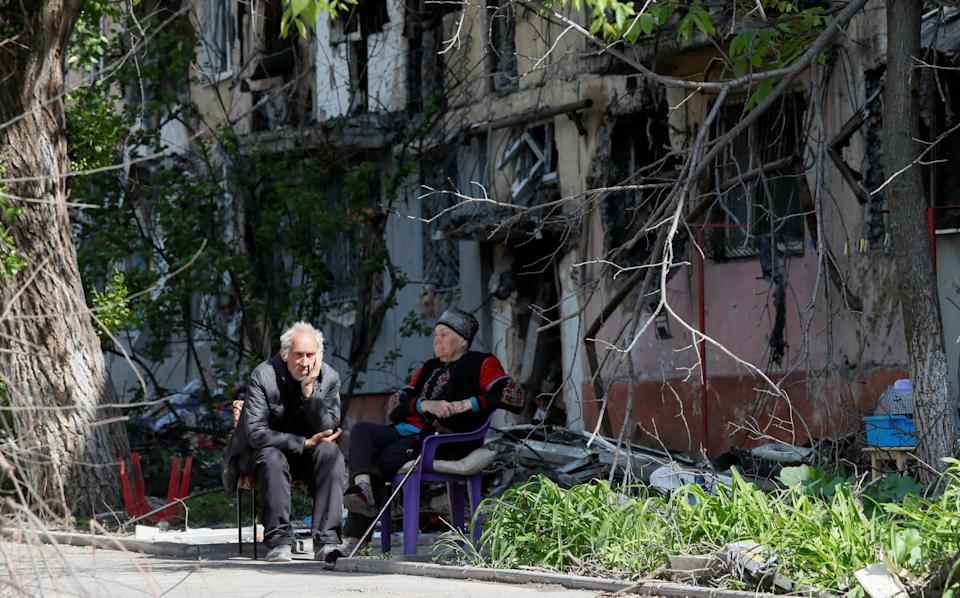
(393, 401)
(325, 436)
(309, 381)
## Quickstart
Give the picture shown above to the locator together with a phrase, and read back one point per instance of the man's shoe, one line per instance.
(281, 553)
(359, 499)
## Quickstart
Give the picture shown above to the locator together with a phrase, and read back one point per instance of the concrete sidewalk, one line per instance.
(45, 570)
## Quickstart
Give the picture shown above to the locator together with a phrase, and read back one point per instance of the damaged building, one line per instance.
(538, 159)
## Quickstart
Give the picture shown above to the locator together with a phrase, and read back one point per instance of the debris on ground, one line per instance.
(569, 458)
(879, 582)
(757, 564)
(672, 476)
(694, 569)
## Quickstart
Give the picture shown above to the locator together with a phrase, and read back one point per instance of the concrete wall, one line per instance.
(837, 361)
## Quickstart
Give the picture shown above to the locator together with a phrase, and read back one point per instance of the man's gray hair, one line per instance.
(286, 339)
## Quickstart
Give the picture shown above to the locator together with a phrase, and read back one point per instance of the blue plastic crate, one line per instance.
(890, 430)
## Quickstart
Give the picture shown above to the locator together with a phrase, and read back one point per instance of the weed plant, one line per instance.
(821, 528)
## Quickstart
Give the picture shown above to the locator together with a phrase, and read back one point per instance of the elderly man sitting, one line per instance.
(288, 428)
(453, 392)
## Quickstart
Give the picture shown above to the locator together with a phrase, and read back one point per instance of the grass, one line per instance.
(822, 530)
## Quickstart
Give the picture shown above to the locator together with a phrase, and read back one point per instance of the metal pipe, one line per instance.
(704, 409)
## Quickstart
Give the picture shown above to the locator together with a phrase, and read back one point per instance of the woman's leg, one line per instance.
(390, 458)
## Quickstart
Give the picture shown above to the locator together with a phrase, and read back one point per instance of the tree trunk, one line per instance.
(934, 412)
(51, 363)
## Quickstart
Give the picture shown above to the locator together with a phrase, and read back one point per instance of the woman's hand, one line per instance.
(443, 409)
(440, 409)
(461, 406)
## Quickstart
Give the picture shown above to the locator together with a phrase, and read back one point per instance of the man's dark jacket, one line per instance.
(275, 414)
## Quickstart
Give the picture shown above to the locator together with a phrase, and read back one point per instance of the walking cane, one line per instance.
(386, 506)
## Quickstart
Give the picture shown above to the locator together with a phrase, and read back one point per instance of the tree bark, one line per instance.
(51, 363)
(933, 410)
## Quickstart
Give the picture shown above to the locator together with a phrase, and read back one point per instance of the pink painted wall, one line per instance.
(670, 413)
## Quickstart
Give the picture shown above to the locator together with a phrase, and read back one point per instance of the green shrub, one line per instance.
(821, 527)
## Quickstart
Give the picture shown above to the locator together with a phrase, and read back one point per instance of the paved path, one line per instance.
(32, 570)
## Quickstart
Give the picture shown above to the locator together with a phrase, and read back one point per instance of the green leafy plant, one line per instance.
(303, 14)
(812, 481)
(414, 324)
(819, 526)
(90, 45)
(112, 306)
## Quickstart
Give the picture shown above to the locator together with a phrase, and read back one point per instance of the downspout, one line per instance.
(701, 299)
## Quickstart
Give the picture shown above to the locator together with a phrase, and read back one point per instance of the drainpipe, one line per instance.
(701, 299)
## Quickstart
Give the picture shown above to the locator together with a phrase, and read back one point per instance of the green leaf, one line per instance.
(686, 27)
(297, 7)
(797, 476)
(310, 15)
(907, 547)
(740, 44)
(597, 24)
(703, 21)
(740, 67)
(763, 90)
(894, 488)
(647, 22)
(661, 11)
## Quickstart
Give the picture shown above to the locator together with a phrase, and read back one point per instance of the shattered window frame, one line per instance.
(530, 160)
(774, 196)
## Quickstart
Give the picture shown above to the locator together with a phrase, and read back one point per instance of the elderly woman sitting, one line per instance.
(453, 392)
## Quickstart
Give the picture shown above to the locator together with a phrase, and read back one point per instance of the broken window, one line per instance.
(282, 95)
(502, 46)
(942, 162)
(216, 37)
(757, 182)
(423, 27)
(441, 255)
(529, 160)
(278, 53)
(352, 29)
(364, 19)
(638, 146)
(357, 66)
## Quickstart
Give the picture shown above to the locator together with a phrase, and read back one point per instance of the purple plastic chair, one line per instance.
(456, 487)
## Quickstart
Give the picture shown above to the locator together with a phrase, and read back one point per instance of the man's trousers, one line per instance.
(322, 469)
